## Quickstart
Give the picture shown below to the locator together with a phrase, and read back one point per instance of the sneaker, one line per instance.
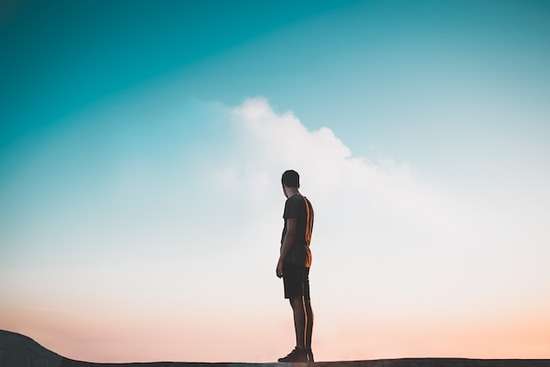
(309, 355)
(296, 355)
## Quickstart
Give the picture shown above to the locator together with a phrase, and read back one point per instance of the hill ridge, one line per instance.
(19, 350)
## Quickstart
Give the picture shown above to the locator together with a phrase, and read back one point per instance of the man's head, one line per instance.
(290, 181)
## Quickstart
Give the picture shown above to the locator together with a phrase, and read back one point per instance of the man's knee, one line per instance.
(296, 301)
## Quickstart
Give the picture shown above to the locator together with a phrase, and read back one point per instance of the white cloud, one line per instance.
(375, 220)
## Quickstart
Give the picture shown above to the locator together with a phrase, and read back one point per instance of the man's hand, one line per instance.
(279, 270)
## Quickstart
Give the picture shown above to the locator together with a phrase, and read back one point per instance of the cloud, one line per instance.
(347, 187)
(424, 244)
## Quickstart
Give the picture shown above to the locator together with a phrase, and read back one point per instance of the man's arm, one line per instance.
(288, 240)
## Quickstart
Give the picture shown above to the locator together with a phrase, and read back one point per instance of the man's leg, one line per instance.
(299, 311)
(309, 324)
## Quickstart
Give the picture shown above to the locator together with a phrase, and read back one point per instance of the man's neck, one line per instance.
(293, 193)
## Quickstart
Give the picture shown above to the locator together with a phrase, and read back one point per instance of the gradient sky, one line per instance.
(141, 148)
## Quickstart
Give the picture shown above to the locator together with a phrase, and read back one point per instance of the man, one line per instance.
(294, 263)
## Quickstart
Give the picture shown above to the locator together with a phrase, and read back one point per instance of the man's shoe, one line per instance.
(296, 355)
(309, 355)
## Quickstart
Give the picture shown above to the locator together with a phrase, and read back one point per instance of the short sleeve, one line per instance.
(292, 209)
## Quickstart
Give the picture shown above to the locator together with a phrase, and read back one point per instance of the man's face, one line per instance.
(284, 191)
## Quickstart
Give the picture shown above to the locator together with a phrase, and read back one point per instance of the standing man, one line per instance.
(294, 263)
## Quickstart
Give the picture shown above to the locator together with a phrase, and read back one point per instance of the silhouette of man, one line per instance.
(294, 263)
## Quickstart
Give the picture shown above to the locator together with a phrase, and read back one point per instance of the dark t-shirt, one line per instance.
(299, 207)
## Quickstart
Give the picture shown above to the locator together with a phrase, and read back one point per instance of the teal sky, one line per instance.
(117, 154)
(328, 62)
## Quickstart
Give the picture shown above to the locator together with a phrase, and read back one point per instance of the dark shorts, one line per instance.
(296, 281)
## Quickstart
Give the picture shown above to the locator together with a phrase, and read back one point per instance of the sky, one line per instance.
(142, 145)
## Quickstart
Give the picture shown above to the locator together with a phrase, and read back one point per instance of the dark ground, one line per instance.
(17, 350)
